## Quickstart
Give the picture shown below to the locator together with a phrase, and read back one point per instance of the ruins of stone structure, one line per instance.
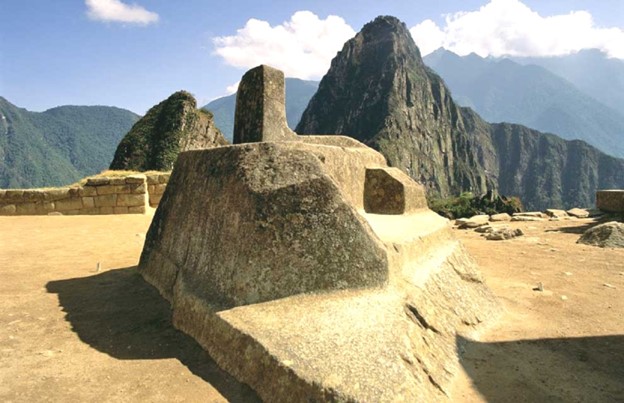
(307, 268)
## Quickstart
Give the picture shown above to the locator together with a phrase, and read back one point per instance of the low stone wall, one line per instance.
(611, 200)
(101, 195)
(156, 184)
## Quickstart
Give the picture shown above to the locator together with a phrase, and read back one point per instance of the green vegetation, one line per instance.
(468, 205)
(58, 146)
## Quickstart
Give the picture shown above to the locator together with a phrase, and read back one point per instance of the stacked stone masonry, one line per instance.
(102, 195)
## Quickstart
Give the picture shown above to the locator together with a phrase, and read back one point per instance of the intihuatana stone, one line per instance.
(271, 262)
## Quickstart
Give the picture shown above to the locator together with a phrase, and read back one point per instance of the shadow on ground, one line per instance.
(584, 369)
(118, 313)
(580, 229)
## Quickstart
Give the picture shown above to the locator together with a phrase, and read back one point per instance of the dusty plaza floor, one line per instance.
(71, 333)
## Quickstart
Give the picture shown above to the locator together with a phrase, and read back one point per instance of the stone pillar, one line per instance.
(261, 108)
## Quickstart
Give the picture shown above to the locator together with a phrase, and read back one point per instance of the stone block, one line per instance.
(610, 201)
(107, 200)
(164, 178)
(74, 192)
(578, 212)
(138, 189)
(32, 195)
(2, 193)
(120, 210)
(26, 209)
(500, 217)
(14, 195)
(117, 181)
(56, 194)
(107, 190)
(8, 209)
(44, 207)
(556, 213)
(260, 107)
(73, 212)
(152, 179)
(137, 210)
(154, 199)
(88, 202)
(90, 211)
(67, 205)
(88, 191)
(135, 179)
(124, 200)
(160, 188)
(98, 181)
(106, 210)
(390, 191)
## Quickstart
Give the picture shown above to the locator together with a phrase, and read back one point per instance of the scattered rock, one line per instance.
(526, 218)
(607, 235)
(537, 214)
(555, 213)
(500, 217)
(578, 212)
(503, 234)
(540, 287)
(475, 221)
(564, 298)
(608, 285)
(484, 229)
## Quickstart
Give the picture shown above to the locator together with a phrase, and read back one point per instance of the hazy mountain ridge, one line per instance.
(58, 146)
(501, 90)
(403, 109)
(591, 71)
(298, 94)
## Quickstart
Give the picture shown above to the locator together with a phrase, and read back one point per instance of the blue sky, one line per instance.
(134, 53)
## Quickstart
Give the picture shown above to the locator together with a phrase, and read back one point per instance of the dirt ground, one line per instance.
(69, 332)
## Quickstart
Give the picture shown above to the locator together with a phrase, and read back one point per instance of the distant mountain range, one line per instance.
(298, 94)
(502, 90)
(591, 71)
(58, 146)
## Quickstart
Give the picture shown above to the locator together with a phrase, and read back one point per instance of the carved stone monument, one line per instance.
(309, 269)
(261, 107)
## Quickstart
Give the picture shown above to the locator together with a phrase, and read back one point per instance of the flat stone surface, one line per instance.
(578, 212)
(500, 217)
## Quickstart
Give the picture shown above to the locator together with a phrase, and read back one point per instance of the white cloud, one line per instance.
(117, 11)
(509, 27)
(230, 89)
(302, 47)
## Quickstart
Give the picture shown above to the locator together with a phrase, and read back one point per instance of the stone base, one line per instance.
(610, 201)
(394, 343)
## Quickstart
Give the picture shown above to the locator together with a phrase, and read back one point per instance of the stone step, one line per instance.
(412, 240)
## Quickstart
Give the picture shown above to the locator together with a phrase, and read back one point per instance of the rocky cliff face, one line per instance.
(379, 91)
(172, 126)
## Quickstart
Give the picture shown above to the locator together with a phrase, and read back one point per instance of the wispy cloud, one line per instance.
(509, 27)
(302, 47)
(117, 11)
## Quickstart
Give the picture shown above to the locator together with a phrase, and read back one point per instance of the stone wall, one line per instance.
(156, 184)
(102, 195)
